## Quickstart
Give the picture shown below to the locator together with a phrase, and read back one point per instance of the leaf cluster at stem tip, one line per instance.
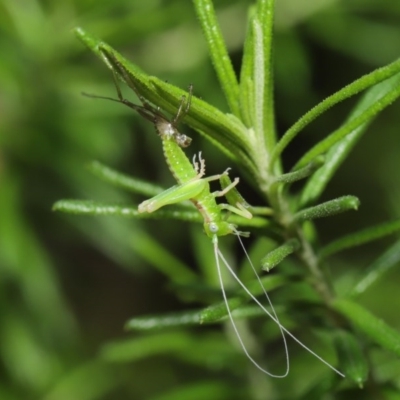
(247, 134)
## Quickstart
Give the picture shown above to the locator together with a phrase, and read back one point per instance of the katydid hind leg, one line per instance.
(118, 68)
(173, 195)
(184, 106)
(238, 210)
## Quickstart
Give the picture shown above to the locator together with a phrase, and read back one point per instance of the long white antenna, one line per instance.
(218, 254)
(273, 317)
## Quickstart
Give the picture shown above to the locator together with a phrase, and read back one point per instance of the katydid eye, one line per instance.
(213, 227)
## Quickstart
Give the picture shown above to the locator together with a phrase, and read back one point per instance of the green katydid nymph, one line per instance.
(192, 185)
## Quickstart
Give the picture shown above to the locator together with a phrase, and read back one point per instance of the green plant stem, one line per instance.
(306, 253)
(310, 259)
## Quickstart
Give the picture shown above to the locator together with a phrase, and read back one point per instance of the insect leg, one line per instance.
(217, 177)
(200, 169)
(173, 195)
(117, 66)
(235, 199)
(223, 192)
(239, 209)
(148, 111)
(184, 106)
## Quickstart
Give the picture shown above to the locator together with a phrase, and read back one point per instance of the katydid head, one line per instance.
(220, 228)
(167, 130)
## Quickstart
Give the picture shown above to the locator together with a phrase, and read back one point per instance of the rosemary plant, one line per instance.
(337, 324)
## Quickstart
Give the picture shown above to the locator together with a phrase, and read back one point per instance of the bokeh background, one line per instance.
(67, 283)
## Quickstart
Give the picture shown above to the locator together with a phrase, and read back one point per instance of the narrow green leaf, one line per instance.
(256, 210)
(246, 99)
(150, 322)
(233, 196)
(262, 138)
(278, 255)
(131, 350)
(220, 314)
(300, 173)
(259, 82)
(265, 13)
(97, 47)
(256, 86)
(89, 41)
(333, 159)
(224, 130)
(328, 208)
(255, 222)
(338, 153)
(361, 237)
(118, 65)
(90, 207)
(216, 312)
(373, 327)
(365, 117)
(348, 91)
(123, 181)
(219, 53)
(352, 362)
(389, 259)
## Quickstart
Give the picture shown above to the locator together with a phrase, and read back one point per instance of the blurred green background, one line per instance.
(68, 284)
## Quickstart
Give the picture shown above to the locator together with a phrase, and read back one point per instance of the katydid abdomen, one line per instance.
(177, 161)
